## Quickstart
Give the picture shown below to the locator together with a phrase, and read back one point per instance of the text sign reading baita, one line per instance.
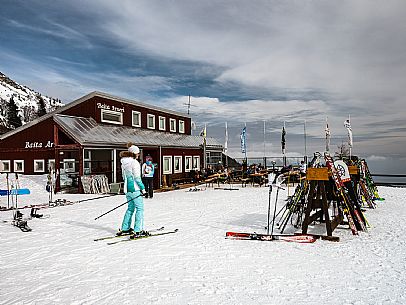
(108, 107)
(48, 144)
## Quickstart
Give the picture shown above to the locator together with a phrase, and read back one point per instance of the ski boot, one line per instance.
(125, 232)
(139, 234)
(34, 213)
(22, 225)
(18, 215)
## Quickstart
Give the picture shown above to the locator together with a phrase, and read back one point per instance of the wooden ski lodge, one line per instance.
(84, 138)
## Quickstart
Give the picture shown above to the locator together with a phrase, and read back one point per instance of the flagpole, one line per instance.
(284, 144)
(327, 130)
(245, 144)
(264, 139)
(226, 146)
(305, 143)
(349, 120)
(204, 148)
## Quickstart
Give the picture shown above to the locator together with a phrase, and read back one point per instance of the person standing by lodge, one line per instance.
(148, 170)
(134, 190)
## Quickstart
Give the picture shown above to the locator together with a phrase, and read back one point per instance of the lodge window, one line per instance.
(167, 164)
(87, 156)
(188, 164)
(5, 166)
(172, 125)
(151, 121)
(162, 123)
(69, 165)
(51, 165)
(19, 166)
(178, 164)
(181, 126)
(39, 166)
(196, 162)
(136, 119)
(112, 117)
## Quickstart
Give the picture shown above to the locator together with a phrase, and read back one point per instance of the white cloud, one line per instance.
(376, 158)
(55, 29)
(250, 110)
(344, 48)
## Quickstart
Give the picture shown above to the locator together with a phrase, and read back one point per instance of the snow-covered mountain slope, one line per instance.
(26, 99)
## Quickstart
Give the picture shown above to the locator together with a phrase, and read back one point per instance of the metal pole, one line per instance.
(160, 166)
(274, 211)
(245, 144)
(269, 207)
(305, 143)
(264, 140)
(204, 154)
(114, 165)
(226, 145)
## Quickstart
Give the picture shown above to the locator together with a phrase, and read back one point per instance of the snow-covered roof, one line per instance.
(85, 98)
(87, 131)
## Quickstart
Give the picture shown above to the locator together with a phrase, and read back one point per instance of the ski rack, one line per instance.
(317, 201)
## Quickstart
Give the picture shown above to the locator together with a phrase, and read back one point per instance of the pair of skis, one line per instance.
(297, 237)
(129, 237)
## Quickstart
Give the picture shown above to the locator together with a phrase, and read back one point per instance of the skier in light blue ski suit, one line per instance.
(133, 188)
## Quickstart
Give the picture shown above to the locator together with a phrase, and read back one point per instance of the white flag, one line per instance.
(347, 124)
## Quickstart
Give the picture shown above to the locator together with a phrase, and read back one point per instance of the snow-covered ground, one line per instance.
(59, 263)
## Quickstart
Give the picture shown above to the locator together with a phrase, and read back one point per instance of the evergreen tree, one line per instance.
(41, 106)
(12, 114)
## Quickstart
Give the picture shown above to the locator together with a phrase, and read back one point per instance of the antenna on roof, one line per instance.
(188, 105)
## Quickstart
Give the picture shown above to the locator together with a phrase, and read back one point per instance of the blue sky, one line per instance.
(241, 61)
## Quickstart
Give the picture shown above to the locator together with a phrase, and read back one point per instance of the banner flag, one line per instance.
(283, 141)
(243, 140)
(347, 124)
(203, 133)
(328, 135)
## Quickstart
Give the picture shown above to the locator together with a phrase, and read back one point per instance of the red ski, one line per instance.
(303, 238)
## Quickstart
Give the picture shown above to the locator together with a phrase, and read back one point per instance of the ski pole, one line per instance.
(94, 198)
(274, 212)
(269, 208)
(278, 186)
(8, 192)
(118, 207)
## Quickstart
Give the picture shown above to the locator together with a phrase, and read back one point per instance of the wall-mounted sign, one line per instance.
(108, 107)
(31, 145)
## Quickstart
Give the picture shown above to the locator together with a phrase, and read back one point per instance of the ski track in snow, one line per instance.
(59, 263)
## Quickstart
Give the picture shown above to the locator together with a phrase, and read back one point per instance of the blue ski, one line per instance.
(15, 192)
